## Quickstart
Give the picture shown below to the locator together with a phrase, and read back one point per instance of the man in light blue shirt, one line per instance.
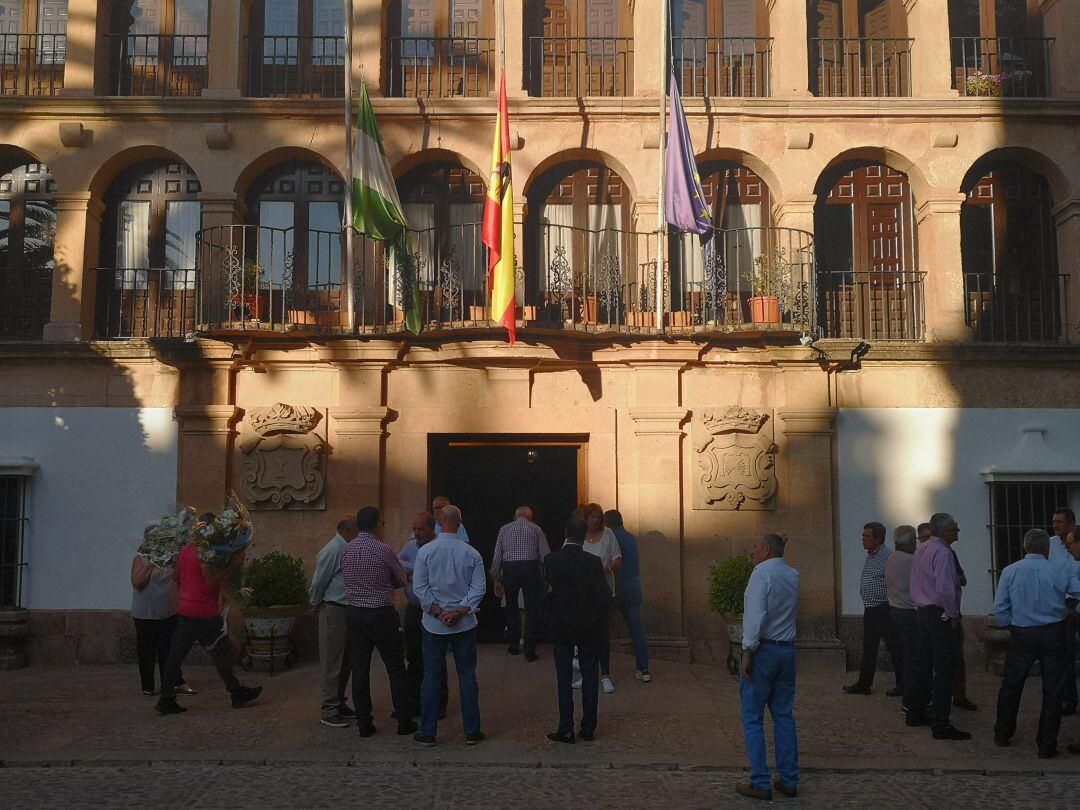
(1030, 601)
(450, 582)
(768, 668)
(438, 503)
(328, 593)
(423, 532)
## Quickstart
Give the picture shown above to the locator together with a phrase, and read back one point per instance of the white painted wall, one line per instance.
(900, 465)
(103, 474)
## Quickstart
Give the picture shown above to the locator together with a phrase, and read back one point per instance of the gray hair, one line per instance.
(449, 515)
(345, 524)
(939, 522)
(1036, 541)
(774, 543)
(525, 512)
(904, 535)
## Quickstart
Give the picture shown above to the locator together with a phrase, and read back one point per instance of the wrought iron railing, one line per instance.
(32, 64)
(25, 295)
(13, 520)
(1006, 67)
(159, 64)
(295, 66)
(722, 66)
(1015, 308)
(843, 66)
(871, 305)
(145, 303)
(572, 67)
(441, 67)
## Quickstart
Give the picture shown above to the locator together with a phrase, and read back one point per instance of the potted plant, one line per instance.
(246, 299)
(277, 590)
(769, 281)
(727, 584)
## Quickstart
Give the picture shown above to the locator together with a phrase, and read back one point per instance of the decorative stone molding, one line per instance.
(284, 468)
(944, 137)
(945, 204)
(808, 421)
(22, 466)
(360, 421)
(1066, 211)
(800, 138)
(217, 135)
(206, 420)
(734, 459)
(658, 421)
(74, 135)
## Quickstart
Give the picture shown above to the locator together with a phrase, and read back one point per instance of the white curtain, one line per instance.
(421, 218)
(132, 244)
(741, 246)
(465, 226)
(182, 220)
(605, 241)
(556, 232)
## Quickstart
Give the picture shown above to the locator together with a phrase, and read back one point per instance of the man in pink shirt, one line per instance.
(935, 590)
(200, 619)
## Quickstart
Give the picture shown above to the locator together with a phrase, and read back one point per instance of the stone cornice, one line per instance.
(207, 419)
(1066, 211)
(946, 204)
(658, 421)
(350, 421)
(807, 421)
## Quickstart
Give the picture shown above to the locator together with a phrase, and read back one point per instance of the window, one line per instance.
(27, 231)
(1016, 507)
(579, 47)
(160, 47)
(441, 47)
(13, 520)
(33, 46)
(858, 48)
(998, 48)
(298, 48)
(719, 47)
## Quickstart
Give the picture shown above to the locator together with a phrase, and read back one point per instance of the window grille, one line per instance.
(1016, 507)
(13, 521)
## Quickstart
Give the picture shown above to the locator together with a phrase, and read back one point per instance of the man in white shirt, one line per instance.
(438, 503)
(768, 668)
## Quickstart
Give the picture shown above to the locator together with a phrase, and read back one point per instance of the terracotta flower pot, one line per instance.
(765, 309)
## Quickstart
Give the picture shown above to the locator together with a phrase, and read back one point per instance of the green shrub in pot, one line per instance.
(277, 579)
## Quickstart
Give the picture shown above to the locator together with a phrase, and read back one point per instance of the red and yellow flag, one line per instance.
(499, 224)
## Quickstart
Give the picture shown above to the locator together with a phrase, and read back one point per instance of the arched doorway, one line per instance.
(27, 232)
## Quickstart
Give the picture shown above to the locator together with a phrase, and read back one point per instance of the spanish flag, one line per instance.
(499, 224)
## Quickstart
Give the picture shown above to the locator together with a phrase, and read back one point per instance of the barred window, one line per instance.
(1016, 507)
(13, 520)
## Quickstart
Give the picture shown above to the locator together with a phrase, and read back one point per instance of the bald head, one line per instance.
(449, 519)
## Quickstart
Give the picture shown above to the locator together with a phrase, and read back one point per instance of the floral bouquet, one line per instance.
(218, 537)
(163, 540)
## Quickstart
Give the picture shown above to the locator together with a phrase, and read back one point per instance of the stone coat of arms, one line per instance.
(735, 459)
(283, 468)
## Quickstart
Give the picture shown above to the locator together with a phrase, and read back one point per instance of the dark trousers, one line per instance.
(1046, 645)
(959, 672)
(906, 623)
(588, 656)
(1068, 695)
(153, 640)
(877, 625)
(523, 576)
(211, 633)
(373, 629)
(934, 658)
(414, 657)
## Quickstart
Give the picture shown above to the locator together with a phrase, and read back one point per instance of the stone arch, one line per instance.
(417, 159)
(1060, 187)
(112, 166)
(751, 161)
(267, 160)
(571, 155)
(876, 154)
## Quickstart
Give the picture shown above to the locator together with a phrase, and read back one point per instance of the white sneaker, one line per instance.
(608, 684)
(577, 684)
(643, 676)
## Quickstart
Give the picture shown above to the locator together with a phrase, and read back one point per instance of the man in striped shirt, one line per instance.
(877, 621)
(516, 566)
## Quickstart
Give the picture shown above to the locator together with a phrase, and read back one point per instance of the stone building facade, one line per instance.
(896, 182)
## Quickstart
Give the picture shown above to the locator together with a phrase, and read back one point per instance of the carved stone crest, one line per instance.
(734, 459)
(283, 468)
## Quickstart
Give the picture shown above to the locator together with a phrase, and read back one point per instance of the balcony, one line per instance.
(158, 65)
(577, 67)
(441, 67)
(871, 305)
(860, 67)
(32, 64)
(145, 303)
(726, 66)
(297, 67)
(1014, 308)
(1001, 67)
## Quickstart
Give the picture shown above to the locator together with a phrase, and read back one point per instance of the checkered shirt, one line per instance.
(371, 572)
(518, 541)
(872, 585)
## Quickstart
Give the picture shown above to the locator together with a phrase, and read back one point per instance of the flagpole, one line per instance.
(347, 272)
(661, 222)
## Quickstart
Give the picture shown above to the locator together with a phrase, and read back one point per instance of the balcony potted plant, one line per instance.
(768, 279)
(276, 591)
(247, 300)
(727, 584)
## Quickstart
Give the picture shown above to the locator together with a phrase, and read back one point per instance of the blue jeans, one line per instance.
(772, 684)
(588, 658)
(632, 614)
(464, 646)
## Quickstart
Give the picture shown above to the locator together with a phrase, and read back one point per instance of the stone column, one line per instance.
(648, 49)
(940, 259)
(1067, 220)
(226, 54)
(75, 251)
(354, 477)
(86, 64)
(513, 39)
(790, 57)
(207, 433)
(370, 30)
(931, 57)
(1061, 21)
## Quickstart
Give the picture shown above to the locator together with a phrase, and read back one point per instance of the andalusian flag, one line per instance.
(499, 224)
(377, 210)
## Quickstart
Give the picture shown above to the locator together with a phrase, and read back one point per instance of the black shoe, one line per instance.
(950, 732)
(1001, 741)
(475, 738)
(562, 737)
(964, 703)
(169, 707)
(365, 729)
(897, 692)
(424, 740)
(791, 791)
(345, 710)
(586, 735)
(336, 721)
(914, 720)
(753, 793)
(1068, 709)
(406, 727)
(531, 656)
(1047, 753)
(513, 650)
(243, 695)
(856, 689)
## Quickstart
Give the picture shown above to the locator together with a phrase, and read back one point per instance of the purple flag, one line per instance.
(684, 201)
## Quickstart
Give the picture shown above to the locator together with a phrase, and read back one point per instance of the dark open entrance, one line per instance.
(489, 476)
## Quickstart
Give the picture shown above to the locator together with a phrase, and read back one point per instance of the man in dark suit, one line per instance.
(579, 616)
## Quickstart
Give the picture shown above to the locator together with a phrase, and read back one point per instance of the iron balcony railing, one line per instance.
(441, 67)
(159, 64)
(860, 67)
(32, 64)
(871, 305)
(145, 303)
(1015, 308)
(722, 66)
(575, 67)
(296, 66)
(1005, 67)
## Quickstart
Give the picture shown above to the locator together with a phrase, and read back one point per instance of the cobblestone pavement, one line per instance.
(433, 786)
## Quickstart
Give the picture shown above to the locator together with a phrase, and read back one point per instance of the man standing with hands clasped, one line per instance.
(768, 668)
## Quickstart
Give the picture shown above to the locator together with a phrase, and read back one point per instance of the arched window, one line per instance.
(720, 47)
(864, 231)
(441, 48)
(1010, 255)
(159, 47)
(297, 48)
(858, 48)
(27, 230)
(147, 284)
(579, 48)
